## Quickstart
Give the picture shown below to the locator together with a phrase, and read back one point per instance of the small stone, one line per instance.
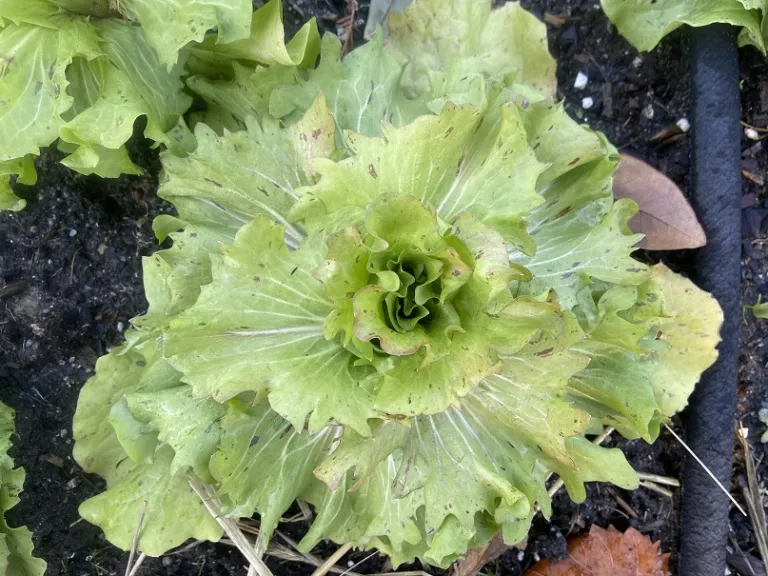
(167, 561)
(751, 133)
(648, 112)
(120, 326)
(683, 124)
(587, 103)
(637, 62)
(72, 233)
(581, 81)
(520, 556)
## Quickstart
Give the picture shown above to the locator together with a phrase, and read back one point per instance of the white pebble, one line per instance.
(744, 432)
(536, 557)
(648, 112)
(72, 233)
(587, 103)
(637, 62)
(119, 326)
(520, 556)
(581, 81)
(751, 133)
(683, 124)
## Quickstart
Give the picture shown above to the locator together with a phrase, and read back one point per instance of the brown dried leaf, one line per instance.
(476, 558)
(665, 217)
(608, 553)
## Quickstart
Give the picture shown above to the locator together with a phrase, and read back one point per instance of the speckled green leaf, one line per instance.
(263, 463)
(274, 343)
(170, 25)
(455, 162)
(133, 84)
(362, 90)
(448, 44)
(174, 513)
(240, 175)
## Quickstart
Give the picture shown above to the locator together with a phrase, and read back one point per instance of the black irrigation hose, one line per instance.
(716, 195)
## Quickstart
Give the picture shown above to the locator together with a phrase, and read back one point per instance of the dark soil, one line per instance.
(70, 280)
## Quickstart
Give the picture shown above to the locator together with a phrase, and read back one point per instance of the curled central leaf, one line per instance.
(398, 277)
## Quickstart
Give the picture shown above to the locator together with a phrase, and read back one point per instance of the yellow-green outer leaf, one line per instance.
(15, 543)
(645, 22)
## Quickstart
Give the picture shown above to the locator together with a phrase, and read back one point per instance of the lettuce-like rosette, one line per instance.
(404, 298)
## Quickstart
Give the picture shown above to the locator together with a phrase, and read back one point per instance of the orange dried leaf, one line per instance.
(665, 217)
(608, 553)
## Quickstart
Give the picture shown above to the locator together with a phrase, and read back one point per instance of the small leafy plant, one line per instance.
(399, 290)
(645, 22)
(15, 543)
(83, 71)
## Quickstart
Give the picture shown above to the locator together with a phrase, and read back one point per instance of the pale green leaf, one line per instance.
(645, 22)
(169, 25)
(467, 39)
(33, 91)
(230, 102)
(188, 425)
(260, 323)
(25, 169)
(263, 463)
(133, 84)
(581, 246)
(174, 513)
(616, 387)
(264, 41)
(240, 175)
(691, 332)
(362, 90)
(455, 162)
(137, 366)
(15, 543)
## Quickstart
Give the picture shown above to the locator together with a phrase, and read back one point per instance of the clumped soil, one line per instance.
(70, 280)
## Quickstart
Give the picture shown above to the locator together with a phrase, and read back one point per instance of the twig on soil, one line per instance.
(258, 549)
(283, 553)
(185, 548)
(230, 527)
(356, 564)
(135, 543)
(139, 562)
(622, 503)
(755, 128)
(707, 470)
(12, 289)
(743, 562)
(754, 502)
(656, 488)
(332, 559)
(656, 479)
(305, 510)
